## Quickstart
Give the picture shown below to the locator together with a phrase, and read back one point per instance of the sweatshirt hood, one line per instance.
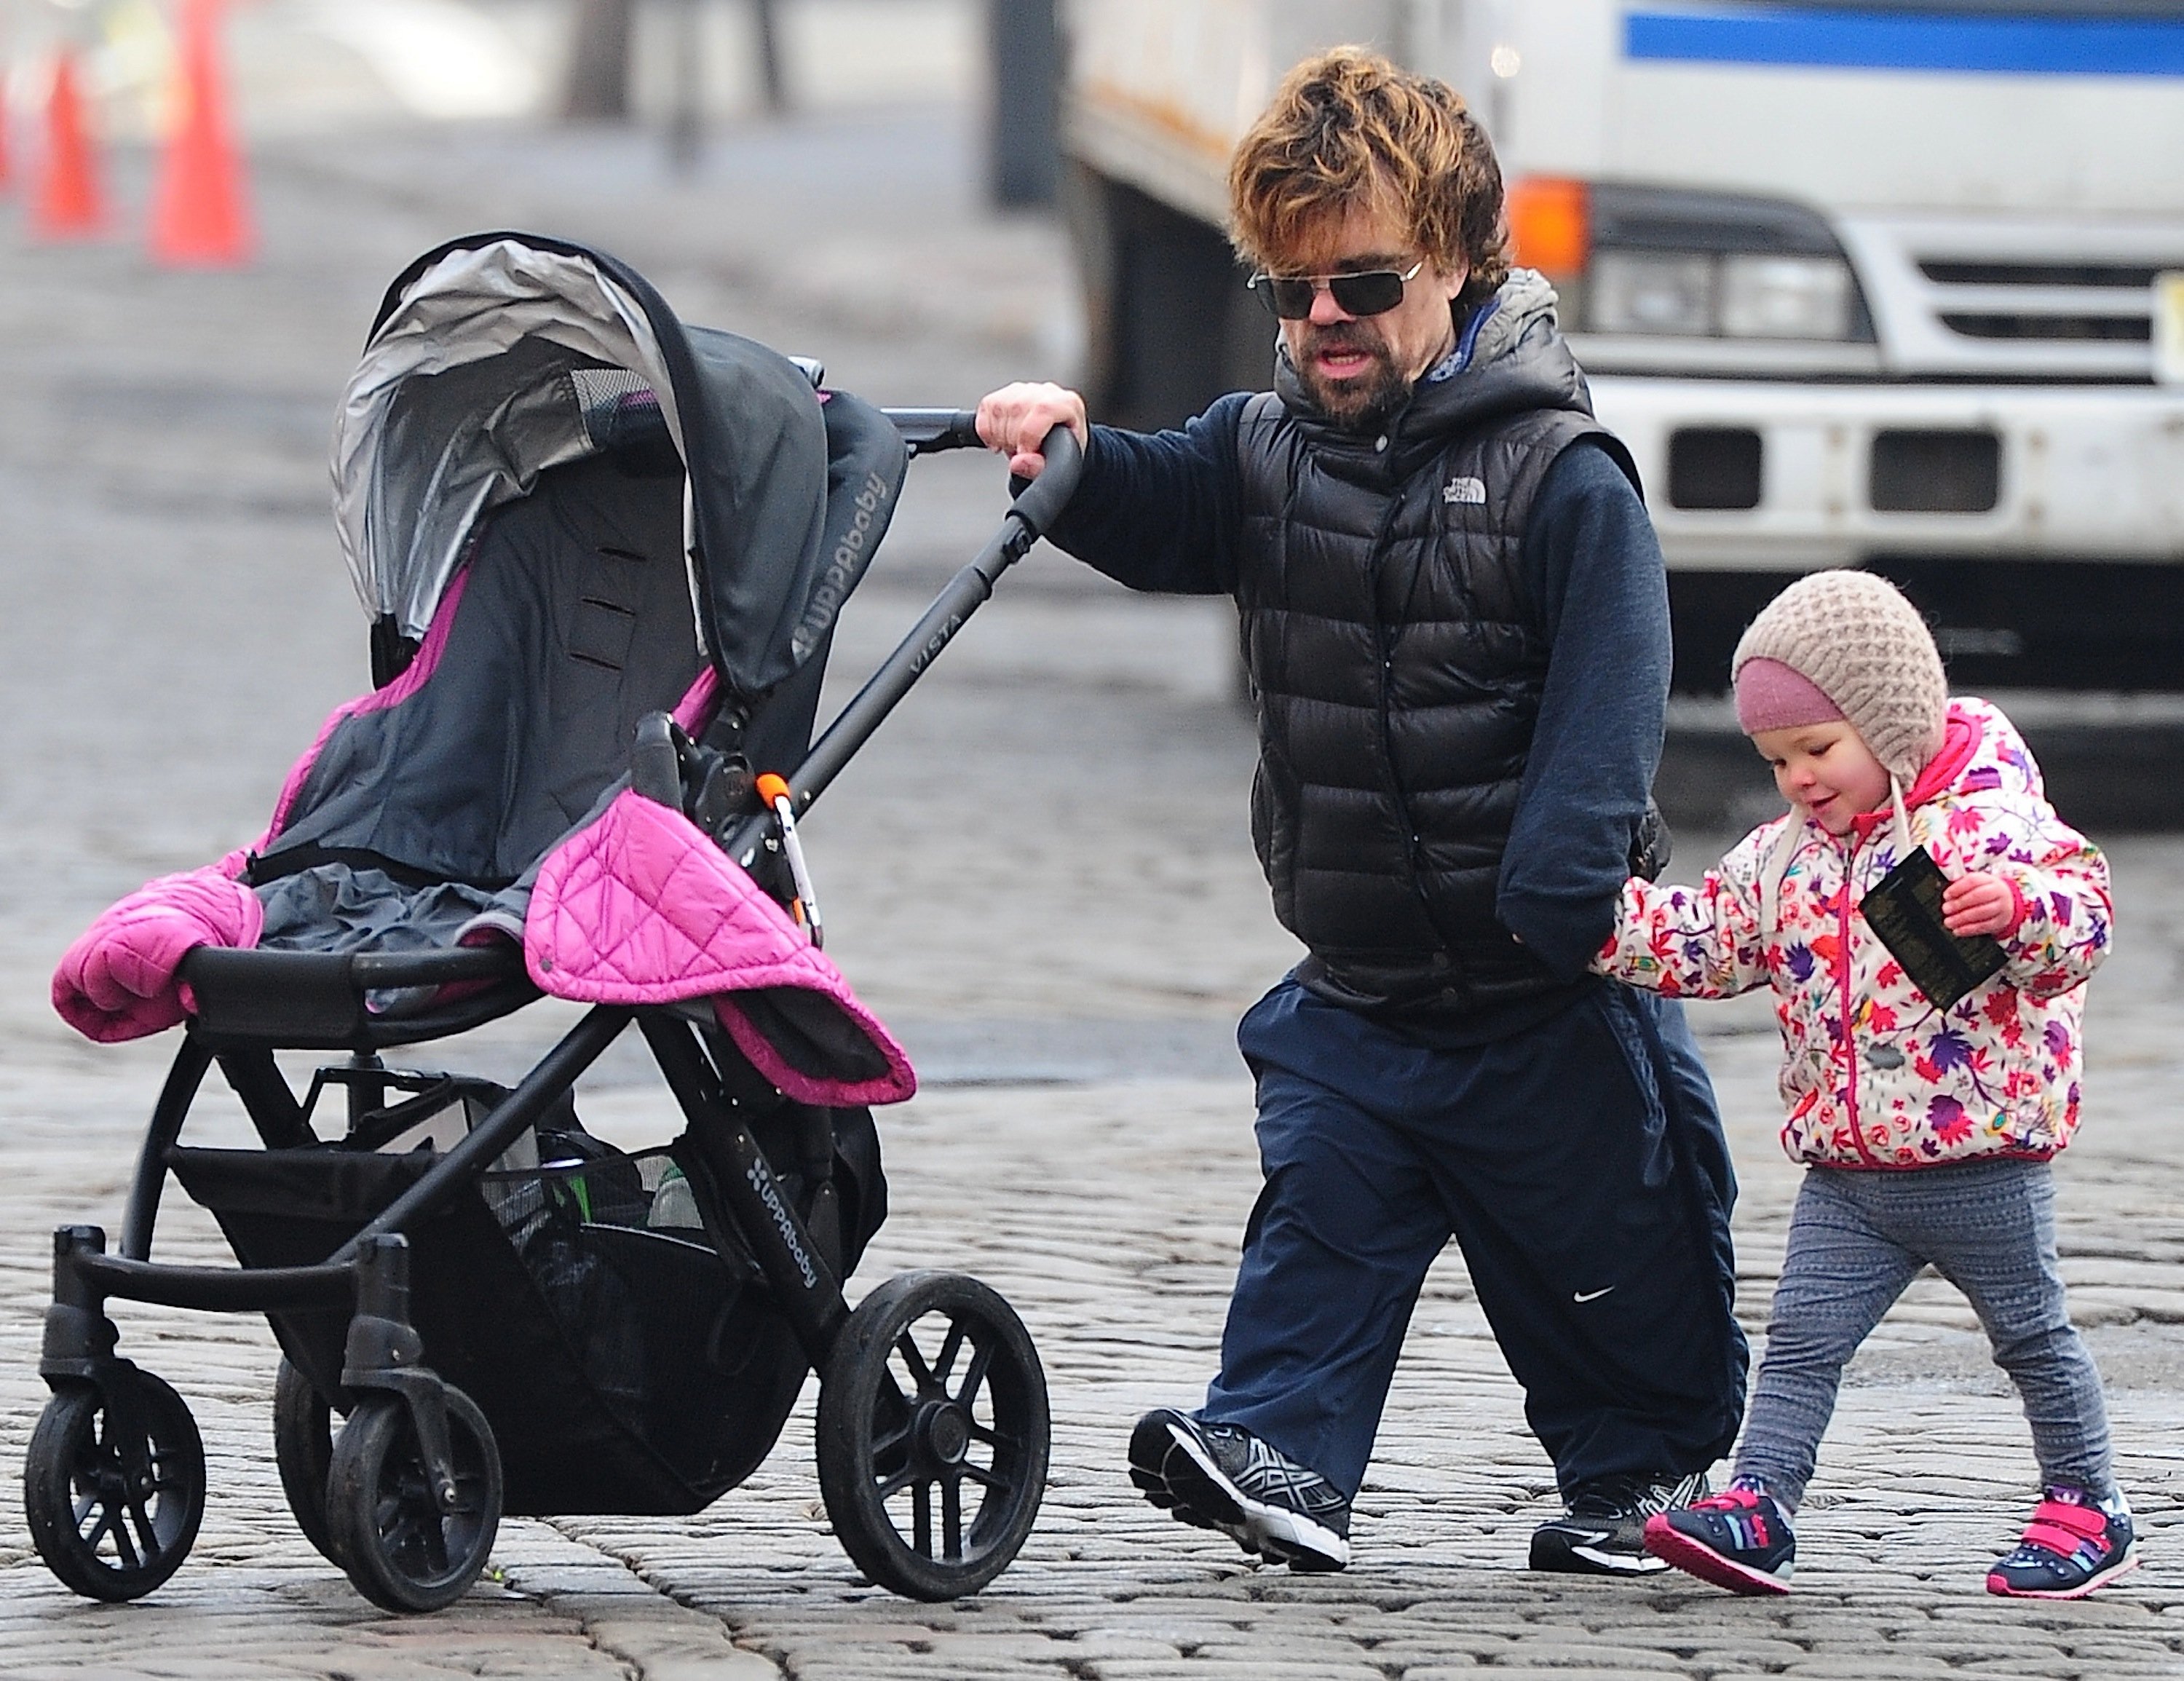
(1510, 358)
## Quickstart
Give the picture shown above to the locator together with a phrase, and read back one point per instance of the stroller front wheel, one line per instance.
(933, 1435)
(115, 1493)
(403, 1549)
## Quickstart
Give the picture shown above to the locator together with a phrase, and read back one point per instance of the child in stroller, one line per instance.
(603, 552)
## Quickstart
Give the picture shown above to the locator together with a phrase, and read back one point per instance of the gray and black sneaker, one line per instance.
(1221, 1477)
(1602, 1529)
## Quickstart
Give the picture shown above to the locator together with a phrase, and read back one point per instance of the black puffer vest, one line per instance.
(1397, 657)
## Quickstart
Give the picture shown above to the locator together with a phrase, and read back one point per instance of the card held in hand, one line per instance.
(1905, 909)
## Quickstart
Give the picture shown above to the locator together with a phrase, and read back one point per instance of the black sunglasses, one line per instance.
(1374, 293)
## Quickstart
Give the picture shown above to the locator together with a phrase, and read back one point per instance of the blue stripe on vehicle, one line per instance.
(1895, 40)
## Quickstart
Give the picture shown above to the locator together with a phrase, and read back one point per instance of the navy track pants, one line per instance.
(1580, 1166)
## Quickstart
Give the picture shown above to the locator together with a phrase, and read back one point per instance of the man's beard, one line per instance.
(1362, 401)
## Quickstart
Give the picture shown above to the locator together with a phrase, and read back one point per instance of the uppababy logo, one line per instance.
(762, 1183)
(1468, 490)
(843, 568)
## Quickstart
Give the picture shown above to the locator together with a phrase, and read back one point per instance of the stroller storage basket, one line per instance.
(624, 1363)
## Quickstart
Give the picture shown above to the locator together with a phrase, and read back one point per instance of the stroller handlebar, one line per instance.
(1039, 503)
(927, 430)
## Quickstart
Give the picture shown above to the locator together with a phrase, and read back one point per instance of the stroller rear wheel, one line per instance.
(401, 1548)
(933, 1435)
(303, 1450)
(115, 1493)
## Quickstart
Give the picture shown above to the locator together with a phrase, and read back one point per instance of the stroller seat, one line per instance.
(571, 620)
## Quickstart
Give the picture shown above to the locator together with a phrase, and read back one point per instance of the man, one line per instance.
(1455, 622)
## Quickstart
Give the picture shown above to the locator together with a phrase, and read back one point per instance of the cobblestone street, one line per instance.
(1039, 873)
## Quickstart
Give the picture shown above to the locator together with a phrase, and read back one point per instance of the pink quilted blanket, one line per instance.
(640, 908)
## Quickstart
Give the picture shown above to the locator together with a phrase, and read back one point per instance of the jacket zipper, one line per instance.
(1384, 646)
(1850, 1043)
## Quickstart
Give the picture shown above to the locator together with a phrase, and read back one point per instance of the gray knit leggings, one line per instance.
(1856, 1240)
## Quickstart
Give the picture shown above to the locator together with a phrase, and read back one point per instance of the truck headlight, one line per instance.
(1672, 263)
(1767, 297)
(1651, 291)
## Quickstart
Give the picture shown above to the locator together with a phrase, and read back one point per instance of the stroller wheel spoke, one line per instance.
(124, 1545)
(921, 1504)
(892, 1485)
(146, 1537)
(986, 1478)
(951, 1516)
(920, 1374)
(890, 1405)
(951, 1346)
(981, 1362)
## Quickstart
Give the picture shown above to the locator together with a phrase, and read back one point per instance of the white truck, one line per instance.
(1897, 285)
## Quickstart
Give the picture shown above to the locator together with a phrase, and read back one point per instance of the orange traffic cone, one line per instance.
(70, 202)
(200, 214)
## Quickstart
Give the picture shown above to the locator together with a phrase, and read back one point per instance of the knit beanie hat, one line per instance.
(1861, 649)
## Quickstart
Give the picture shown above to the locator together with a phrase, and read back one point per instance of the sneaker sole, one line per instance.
(1695, 1558)
(1561, 1559)
(1195, 1491)
(2122, 1567)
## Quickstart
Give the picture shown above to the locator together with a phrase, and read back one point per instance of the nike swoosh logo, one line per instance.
(1590, 1295)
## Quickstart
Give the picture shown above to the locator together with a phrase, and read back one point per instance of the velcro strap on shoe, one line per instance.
(2083, 1522)
(1728, 1499)
(2061, 1528)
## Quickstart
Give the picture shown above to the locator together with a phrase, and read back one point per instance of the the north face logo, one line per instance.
(1473, 490)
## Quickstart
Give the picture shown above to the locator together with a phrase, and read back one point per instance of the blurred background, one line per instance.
(1899, 286)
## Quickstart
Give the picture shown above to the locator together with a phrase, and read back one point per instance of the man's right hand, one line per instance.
(1017, 419)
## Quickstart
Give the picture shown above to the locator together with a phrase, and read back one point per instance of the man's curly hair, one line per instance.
(1350, 128)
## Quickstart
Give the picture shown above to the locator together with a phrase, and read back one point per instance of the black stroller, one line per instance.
(604, 553)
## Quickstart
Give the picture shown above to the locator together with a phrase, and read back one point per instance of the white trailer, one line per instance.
(1889, 285)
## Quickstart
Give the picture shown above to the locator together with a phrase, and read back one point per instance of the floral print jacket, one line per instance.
(1872, 1075)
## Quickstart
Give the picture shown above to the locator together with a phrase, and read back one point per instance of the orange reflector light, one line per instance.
(772, 788)
(1549, 225)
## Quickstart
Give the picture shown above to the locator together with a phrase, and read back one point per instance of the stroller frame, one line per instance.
(150, 1472)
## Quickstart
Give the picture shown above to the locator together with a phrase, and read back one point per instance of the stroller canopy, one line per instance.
(501, 355)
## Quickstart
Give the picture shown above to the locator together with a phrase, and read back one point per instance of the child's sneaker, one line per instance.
(2072, 1545)
(1739, 1539)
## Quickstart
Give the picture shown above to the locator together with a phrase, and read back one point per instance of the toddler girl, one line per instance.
(1928, 1129)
